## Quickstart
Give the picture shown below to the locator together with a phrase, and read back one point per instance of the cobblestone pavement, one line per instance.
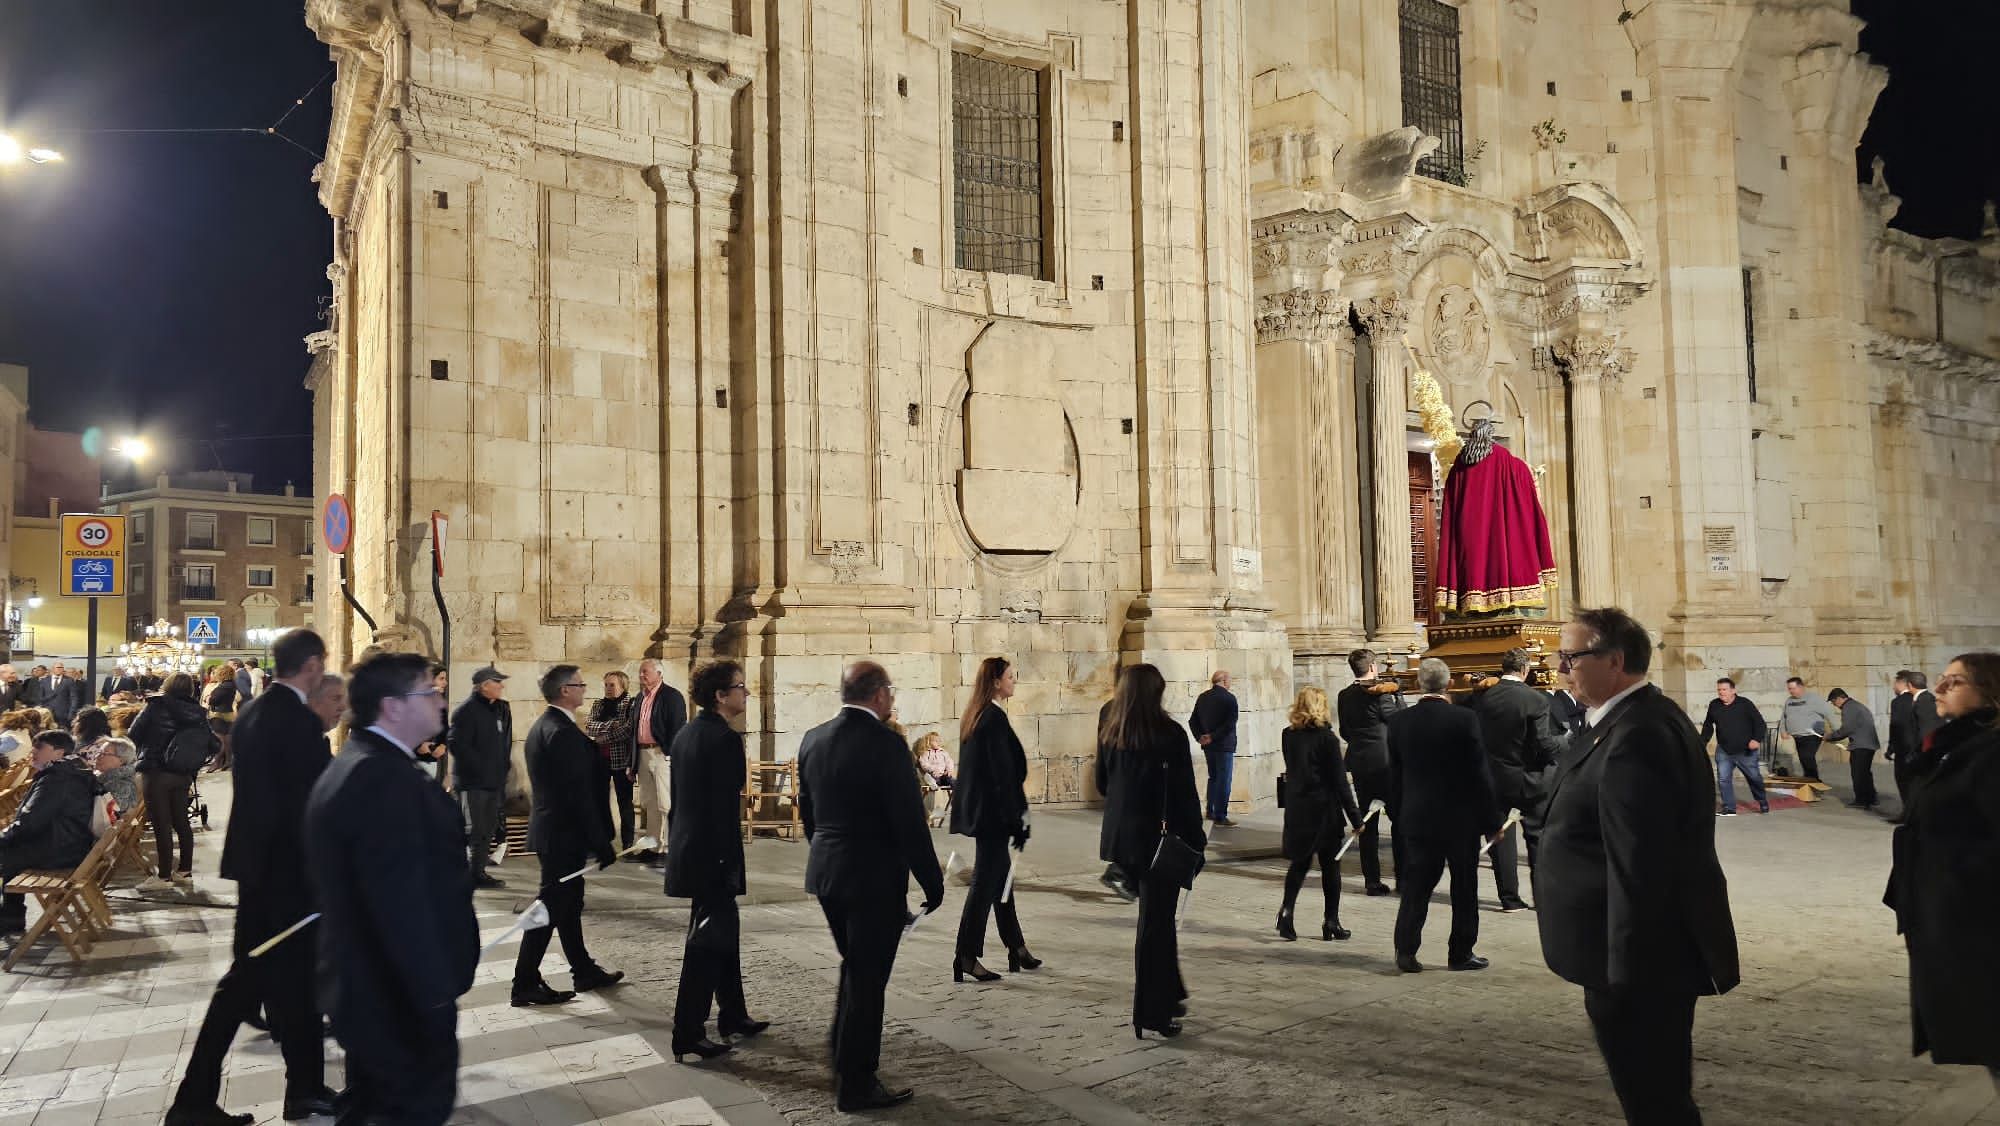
(1279, 1032)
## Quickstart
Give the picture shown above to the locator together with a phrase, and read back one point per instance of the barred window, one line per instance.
(999, 151)
(1750, 327)
(1429, 32)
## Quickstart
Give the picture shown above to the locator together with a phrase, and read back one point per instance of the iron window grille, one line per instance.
(999, 154)
(1429, 34)
(1750, 327)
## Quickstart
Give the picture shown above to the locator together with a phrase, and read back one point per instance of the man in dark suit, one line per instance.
(1364, 708)
(279, 752)
(57, 693)
(11, 687)
(246, 684)
(1629, 894)
(1564, 710)
(1521, 742)
(568, 823)
(1214, 726)
(386, 852)
(120, 681)
(705, 862)
(1442, 791)
(658, 716)
(1918, 709)
(864, 817)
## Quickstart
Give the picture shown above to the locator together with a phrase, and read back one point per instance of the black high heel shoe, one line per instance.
(1167, 1029)
(703, 1048)
(1285, 929)
(1018, 960)
(1331, 929)
(962, 966)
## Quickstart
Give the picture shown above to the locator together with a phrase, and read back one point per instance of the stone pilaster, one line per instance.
(1590, 362)
(1385, 317)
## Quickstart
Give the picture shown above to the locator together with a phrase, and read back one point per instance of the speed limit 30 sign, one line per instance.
(93, 556)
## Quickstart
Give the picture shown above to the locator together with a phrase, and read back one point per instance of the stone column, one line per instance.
(1589, 362)
(1385, 317)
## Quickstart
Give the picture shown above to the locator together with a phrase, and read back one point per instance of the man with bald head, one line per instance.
(663, 711)
(864, 817)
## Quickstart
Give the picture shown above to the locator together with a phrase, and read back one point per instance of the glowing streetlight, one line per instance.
(13, 152)
(133, 449)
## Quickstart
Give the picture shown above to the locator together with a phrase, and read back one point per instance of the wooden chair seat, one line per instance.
(72, 903)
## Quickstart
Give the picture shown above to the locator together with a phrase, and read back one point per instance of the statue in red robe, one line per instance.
(1493, 540)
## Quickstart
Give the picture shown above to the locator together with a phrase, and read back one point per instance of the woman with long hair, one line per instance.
(1945, 886)
(611, 726)
(167, 784)
(990, 804)
(1315, 783)
(1145, 770)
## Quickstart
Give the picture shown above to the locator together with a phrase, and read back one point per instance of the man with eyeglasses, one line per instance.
(705, 862)
(569, 822)
(1629, 895)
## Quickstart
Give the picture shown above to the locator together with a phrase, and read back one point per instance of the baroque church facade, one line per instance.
(1088, 332)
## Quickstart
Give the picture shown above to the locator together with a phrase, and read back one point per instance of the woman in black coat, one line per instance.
(1945, 886)
(1145, 770)
(989, 803)
(167, 786)
(51, 830)
(1315, 783)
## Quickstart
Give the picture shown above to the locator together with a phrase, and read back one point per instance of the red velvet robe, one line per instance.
(1493, 541)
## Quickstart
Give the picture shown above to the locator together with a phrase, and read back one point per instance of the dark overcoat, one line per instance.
(989, 798)
(705, 834)
(1316, 790)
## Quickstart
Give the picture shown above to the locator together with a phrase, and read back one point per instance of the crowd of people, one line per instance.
(362, 863)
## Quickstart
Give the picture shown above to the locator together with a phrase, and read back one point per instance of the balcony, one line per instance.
(198, 594)
(303, 596)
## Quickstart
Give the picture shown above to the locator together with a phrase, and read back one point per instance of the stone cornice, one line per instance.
(1939, 357)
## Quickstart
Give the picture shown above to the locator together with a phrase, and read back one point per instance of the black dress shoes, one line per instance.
(206, 1116)
(1471, 962)
(1167, 1029)
(586, 982)
(1408, 964)
(325, 1103)
(871, 1096)
(1380, 889)
(488, 881)
(745, 1027)
(703, 1048)
(541, 993)
(1512, 903)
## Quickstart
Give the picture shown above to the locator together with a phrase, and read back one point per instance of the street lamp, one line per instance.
(133, 449)
(13, 152)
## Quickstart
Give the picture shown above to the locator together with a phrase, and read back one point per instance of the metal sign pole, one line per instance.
(90, 654)
(437, 593)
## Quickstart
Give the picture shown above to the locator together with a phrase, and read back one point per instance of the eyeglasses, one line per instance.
(737, 688)
(1950, 681)
(576, 684)
(1565, 658)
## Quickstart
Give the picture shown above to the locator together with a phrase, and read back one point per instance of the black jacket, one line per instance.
(863, 813)
(116, 683)
(568, 818)
(222, 701)
(153, 731)
(1214, 716)
(1520, 738)
(1440, 785)
(1145, 788)
(1628, 890)
(398, 939)
(481, 742)
(1734, 726)
(670, 714)
(62, 696)
(11, 695)
(1364, 720)
(705, 834)
(989, 798)
(1315, 787)
(51, 830)
(1945, 890)
(277, 751)
(1565, 712)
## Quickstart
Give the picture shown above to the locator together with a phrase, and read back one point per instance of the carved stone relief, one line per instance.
(1458, 334)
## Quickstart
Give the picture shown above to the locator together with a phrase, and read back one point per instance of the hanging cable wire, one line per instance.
(271, 130)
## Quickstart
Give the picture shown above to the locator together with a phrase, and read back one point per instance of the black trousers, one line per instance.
(990, 865)
(1505, 853)
(482, 813)
(621, 788)
(409, 1078)
(1647, 1039)
(1861, 767)
(711, 969)
(1427, 859)
(1329, 870)
(564, 899)
(1156, 960)
(167, 795)
(1905, 766)
(1807, 747)
(282, 982)
(866, 932)
(1371, 786)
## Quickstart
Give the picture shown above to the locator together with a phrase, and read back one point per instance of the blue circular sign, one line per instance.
(336, 524)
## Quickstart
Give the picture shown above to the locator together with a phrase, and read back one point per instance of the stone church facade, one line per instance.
(1088, 333)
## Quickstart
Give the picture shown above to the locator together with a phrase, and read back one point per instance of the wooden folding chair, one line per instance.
(72, 904)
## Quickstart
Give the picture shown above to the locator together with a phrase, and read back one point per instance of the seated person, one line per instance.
(932, 761)
(115, 760)
(17, 730)
(52, 828)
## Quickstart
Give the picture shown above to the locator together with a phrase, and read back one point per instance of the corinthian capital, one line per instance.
(1593, 355)
(1299, 314)
(1385, 315)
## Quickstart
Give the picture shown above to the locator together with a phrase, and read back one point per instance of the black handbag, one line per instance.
(1281, 791)
(1174, 858)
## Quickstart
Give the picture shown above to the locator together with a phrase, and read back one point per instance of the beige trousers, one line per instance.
(651, 792)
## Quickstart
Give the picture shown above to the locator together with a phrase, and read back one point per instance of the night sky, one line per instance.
(161, 283)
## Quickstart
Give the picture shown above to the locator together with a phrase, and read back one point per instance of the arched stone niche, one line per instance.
(1019, 483)
(1456, 331)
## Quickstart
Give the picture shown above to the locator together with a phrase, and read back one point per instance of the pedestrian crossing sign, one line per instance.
(204, 629)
